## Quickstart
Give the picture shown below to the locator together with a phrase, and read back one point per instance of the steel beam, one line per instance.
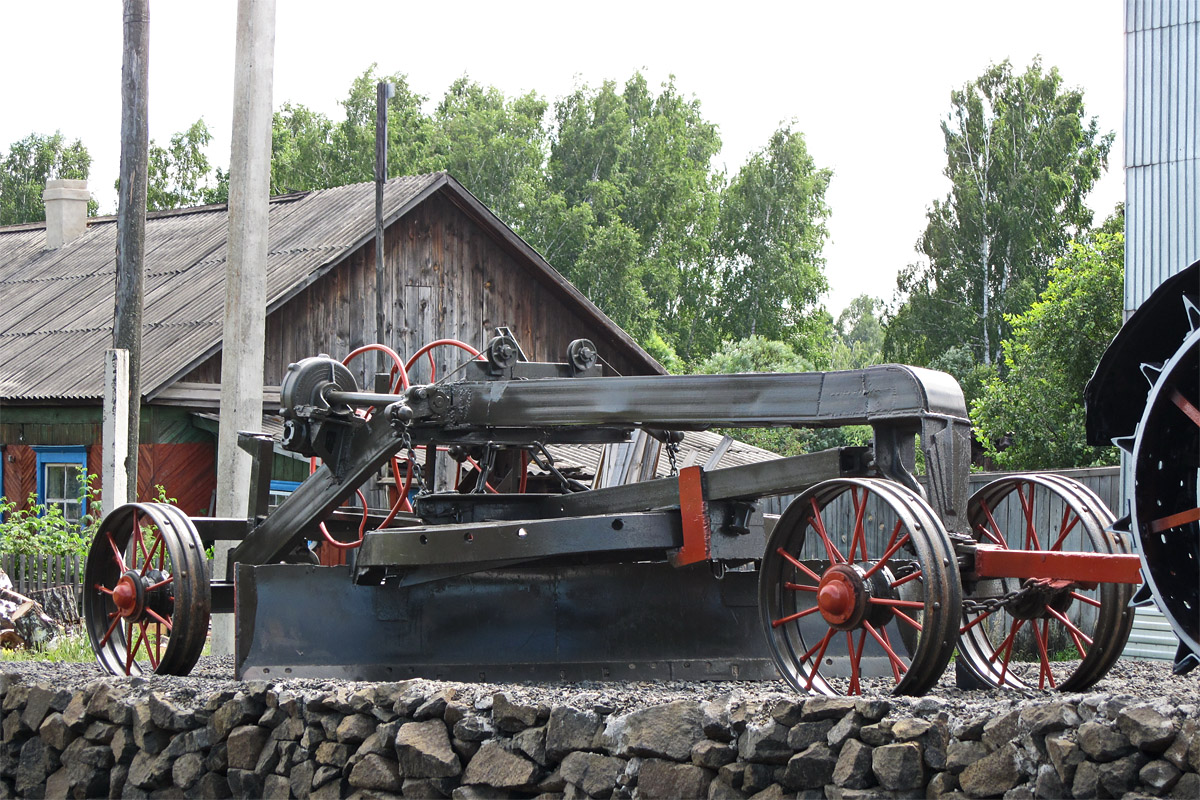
(999, 562)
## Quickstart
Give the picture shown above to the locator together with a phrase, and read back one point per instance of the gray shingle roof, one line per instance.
(56, 306)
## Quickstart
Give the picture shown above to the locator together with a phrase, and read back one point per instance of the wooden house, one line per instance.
(452, 270)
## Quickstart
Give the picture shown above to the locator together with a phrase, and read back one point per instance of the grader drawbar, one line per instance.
(868, 581)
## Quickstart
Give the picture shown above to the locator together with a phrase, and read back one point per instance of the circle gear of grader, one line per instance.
(1159, 349)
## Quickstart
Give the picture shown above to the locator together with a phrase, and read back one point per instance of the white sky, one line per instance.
(867, 82)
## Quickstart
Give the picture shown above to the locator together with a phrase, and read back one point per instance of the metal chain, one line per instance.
(672, 457)
(418, 475)
(995, 603)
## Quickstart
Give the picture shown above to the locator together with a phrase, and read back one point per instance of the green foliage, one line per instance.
(1038, 402)
(858, 335)
(42, 528)
(772, 230)
(1022, 156)
(69, 648)
(759, 354)
(178, 175)
(27, 166)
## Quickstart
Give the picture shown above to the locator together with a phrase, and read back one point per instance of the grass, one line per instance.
(73, 647)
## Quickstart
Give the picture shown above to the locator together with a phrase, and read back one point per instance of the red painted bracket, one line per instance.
(999, 562)
(693, 510)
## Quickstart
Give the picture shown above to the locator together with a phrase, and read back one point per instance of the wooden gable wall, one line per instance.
(447, 278)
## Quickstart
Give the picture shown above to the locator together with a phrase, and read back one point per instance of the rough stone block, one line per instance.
(570, 729)
(810, 769)
(667, 731)
(376, 773)
(713, 755)
(423, 751)
(766, 743)
(595, 774)
(497, 765)
(853, 768)
(244, 745)
(664, 779)
(1148, 729)
(898, 766)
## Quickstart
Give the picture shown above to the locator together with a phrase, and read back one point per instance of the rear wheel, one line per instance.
(859, 590)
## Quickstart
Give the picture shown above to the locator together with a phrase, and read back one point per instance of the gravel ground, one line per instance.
(1143, 681)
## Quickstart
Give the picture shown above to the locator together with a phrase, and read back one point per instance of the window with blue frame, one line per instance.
(280, 490)
(60, 473)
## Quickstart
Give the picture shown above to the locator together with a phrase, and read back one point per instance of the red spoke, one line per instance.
(150, 556)
(100, 588)
(1175, 520)
(1058, 615)
(146, 638)
(888, 640)
(887, 601)
(157, 639)
(855, 686)
(812, 671)
(160, 584)
(1031, 537)
(908, 619)
(1074, 637)
(1185, 406)
(1044, 666)
(912, 576)
(788, 557)
(1065, 528)
(974, 622)
(819, 526)
(1083, 598)
(794, 617)
(895, 532)
(1008, 654)
(116, 551)
(116, 621)
(139, 541)
(1016, 626)
(160, 618)
(891, 551)
(860, 533)
(130, 649)
(897, 664)
(999, 537)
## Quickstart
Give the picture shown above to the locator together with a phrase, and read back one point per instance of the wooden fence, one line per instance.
(32, 575)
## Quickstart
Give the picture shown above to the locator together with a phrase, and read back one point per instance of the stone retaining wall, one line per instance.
(126, 738)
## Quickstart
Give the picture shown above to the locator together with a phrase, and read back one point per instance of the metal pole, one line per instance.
(243, 347)
(131, 222)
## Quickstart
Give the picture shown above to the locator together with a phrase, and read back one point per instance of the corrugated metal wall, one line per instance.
(1162, 142)
(1162, 186)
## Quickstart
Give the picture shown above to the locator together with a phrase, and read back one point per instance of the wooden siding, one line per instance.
(447, 278)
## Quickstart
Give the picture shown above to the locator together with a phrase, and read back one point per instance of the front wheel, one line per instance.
(146, 597)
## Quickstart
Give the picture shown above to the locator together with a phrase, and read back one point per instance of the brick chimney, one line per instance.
(66, 211)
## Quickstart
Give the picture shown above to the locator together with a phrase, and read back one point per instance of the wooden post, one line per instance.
(383, 92)
(114, 481)
(243, 346)
(131, 223)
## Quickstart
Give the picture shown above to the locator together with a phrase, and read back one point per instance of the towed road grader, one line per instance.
(868, 581)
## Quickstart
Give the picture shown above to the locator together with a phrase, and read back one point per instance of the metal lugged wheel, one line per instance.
(859, 590)
(1166, 511)
(1056, 634)
(146, 597)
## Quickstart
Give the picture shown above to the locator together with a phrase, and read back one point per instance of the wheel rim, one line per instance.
(855, 590)
(146, 601)
(1166, 481)
(1053, 635)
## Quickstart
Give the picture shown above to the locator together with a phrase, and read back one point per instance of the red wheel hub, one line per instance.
(841, 596)
(126, 595)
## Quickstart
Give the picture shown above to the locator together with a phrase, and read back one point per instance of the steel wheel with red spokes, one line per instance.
(859, 590)
(146, 595)
(1038, 632)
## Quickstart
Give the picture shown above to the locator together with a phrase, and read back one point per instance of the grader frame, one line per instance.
(868, 580)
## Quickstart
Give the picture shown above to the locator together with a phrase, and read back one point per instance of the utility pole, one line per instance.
(131, 225)
(243, 347)
(384, 92)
